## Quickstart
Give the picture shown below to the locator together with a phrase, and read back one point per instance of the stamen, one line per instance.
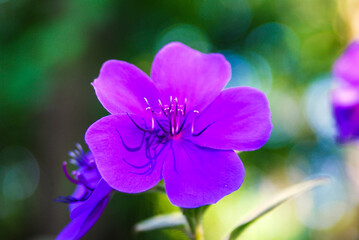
(73, 161)
(176, 101)
(136, 166)
(158, 123)
(132, 149)
(78, 154)
(71, 179)
(152, 119)
(142, 129)
(163, 110)
(194, 118)
(72, 154)
(171, 128)
(184, 107)
(180, 129)
(202, 131)
(79, 147)
(71, 199)
(173, 121)
(147, 102)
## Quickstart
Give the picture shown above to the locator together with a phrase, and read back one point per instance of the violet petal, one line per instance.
(80, 225)
(120, 151)
(101, 191)
(79, 193)
(239, 119)
(121, 88)
(195, 176)
(346, 111)
(346, 67)
(182, 72)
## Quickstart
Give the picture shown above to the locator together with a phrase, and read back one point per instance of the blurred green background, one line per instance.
(50, 52)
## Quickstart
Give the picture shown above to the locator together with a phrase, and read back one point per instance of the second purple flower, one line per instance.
(179, 125)
(345, 97)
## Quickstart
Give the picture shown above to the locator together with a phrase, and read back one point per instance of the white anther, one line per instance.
(79, 147)
(72, 154)
(162, 108)
(77, 153)
(152, 118)
(147, 101)
(73, 161)
(194, 118)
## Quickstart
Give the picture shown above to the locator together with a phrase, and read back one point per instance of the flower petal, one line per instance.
(79, 193)
(239, 118)
(121, 88)
(346, 112)
(346, 67)
(101, 191)
(120, 150)
(196, 176)
(182, 72)
(80, 225)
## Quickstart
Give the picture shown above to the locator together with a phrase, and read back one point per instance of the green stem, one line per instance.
(194, 218)
(198, 234)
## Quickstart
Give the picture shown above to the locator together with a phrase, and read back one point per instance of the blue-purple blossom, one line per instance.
(89, 199)
(179, 125)
(345, 97)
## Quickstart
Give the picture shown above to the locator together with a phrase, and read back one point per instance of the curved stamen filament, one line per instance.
(152, 118)
(71, 179)
(202, 131)
(180, 129)
(192, 128)
(131, 149)
(142, 129)
(162, 128)
(162, 108)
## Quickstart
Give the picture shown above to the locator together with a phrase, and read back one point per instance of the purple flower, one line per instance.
(89, 199)
(345, 98)
(178, 125)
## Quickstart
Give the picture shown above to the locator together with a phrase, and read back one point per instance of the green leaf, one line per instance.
(283, 196)
(161, 222)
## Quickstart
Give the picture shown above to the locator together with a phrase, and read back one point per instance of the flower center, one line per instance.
(170, 119)
(175, 114)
